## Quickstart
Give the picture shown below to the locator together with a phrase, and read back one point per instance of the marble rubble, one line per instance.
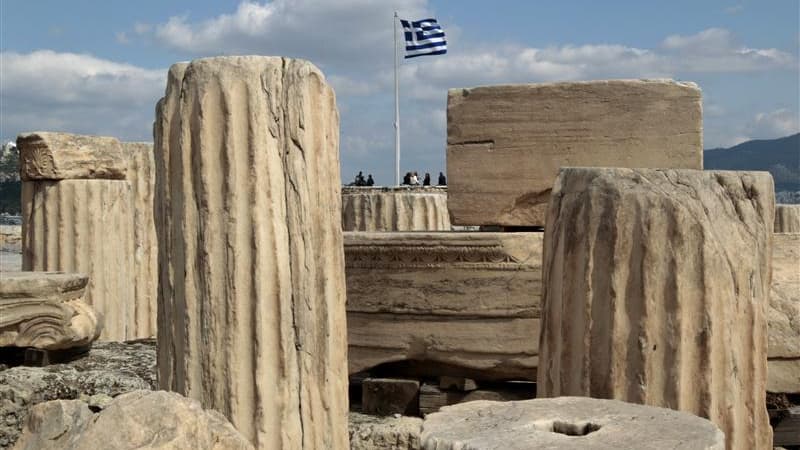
(143, 420)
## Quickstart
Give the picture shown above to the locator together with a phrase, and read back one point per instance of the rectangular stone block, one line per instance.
(464, 302)
(387, 396)
(505, 144)
(63, 156)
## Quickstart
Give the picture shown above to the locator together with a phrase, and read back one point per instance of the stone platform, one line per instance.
(462, 302)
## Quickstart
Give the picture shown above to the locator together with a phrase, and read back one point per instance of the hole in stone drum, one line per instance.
(574, 429)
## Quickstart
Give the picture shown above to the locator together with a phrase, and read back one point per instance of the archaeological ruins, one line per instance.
(580, 283)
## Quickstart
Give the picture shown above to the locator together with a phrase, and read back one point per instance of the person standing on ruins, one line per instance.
(427, 180)
(442, 180)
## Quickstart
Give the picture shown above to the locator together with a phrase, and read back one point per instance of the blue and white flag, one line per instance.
(424, 37)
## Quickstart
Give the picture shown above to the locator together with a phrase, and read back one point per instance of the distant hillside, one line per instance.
(781, 157)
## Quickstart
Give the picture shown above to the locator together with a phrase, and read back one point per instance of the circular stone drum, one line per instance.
(566, 423)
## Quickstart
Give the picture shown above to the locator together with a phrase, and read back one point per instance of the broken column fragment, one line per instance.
(464, 303)
(505, 144)
(46, 311)
(655, 291)
(252, 308)
(77, 217)
(783, 317)
(787, 218)
(394, 209)
(566, 423)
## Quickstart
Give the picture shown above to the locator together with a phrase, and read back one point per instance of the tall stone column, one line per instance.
(655, 291)
(76, 217)
(141, 176)
(253, 322)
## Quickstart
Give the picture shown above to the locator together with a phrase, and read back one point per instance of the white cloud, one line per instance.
(773, 124)
(326, 32)
(716, 50)
(78, 93)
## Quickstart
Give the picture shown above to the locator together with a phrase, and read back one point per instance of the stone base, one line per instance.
(566, 423)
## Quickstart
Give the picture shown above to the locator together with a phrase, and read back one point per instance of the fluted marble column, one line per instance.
(655, 290)
(395, 209)
(141, 176)
(77, 217)
(253, 302)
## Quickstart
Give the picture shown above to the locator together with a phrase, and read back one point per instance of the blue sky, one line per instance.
(99, 67)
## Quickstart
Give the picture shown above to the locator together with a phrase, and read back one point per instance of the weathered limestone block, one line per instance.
(460, 300)
(141, 419)
(141, 176)
(395, 209)
(787, 218)
(85, 226)
(655, 291)
(566, 423)
(505, 144)
(783, 316)
(252, 313)
(384, 433)
(45, 310)
(62, 156)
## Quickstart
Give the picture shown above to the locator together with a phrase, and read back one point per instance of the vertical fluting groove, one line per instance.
(394, 210)
(82, 226)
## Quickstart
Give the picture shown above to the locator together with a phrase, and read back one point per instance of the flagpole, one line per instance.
(396, 110)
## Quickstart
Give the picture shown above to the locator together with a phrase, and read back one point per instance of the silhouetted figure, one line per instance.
(442, 180)
(360, 179)
(370, 181)
(407, 178)
(427, 180)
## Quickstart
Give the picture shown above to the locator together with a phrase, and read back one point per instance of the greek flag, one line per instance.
(424, 37)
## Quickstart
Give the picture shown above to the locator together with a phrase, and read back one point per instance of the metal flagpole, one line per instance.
(396, 110)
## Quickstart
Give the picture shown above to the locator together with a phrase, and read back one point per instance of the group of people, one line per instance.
(360, 181)
(411, 179)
